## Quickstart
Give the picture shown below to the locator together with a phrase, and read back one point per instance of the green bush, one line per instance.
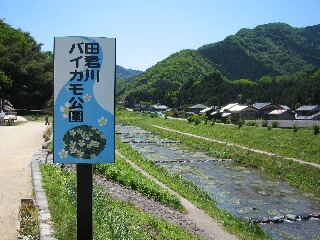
(275, 124)
(316, 129)
(294, 128)
(240, 122)
(264, 123)
(251, 123)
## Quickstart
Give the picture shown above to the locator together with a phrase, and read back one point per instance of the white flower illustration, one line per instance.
(72, 144)
(86, 98)
(73, 150)
(81, 143)
(72, 132)
(65, 109)
(63, 153)
(80, 154)
(96, 144)
(102, 121)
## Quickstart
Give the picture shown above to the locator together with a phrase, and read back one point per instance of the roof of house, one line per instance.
(307, 108)
(237, 108)
(278, 111)
(285, 107)
(260, 105)
(230, 105)
(159, 106)
(198, 106)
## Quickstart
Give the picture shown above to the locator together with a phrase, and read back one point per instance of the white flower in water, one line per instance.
(86, 98)
(63, 153)
(65, 109)
(81, 143)
(102, 121)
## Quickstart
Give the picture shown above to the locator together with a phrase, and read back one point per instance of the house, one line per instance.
(281, 114)
(208, 111)
(308, 112)
(224, 112)
(243, 112)
(159, 108)
(195, 109)
(266, 108)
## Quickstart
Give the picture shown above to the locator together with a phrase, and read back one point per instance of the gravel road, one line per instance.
(17, 145)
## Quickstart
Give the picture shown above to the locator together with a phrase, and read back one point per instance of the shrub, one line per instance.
(316, 129)
(190, 119)
(154, 115)
(275, 124)
(228, 120)
(294, 128)
(264, 123)
(240, 122)
(251, 123)
(205, 119)
(197, 120)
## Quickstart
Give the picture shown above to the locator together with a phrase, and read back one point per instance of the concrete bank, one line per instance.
(46, 232)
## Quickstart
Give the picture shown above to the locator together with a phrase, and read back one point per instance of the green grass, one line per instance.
(302, 144)
(112, 219)
(123, 173)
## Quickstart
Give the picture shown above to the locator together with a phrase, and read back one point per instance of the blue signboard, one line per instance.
(84, 85)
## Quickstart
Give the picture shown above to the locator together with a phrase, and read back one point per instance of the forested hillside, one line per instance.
(272, 62)
(163, 82)
(267, 50)
(126, 73)
(26, 73)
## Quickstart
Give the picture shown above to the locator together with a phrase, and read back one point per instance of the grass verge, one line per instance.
(123, 173)
(112, 219)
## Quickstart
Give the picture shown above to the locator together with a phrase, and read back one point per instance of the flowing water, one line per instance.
(245, 192)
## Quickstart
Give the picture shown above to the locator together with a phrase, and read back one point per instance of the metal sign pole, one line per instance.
(84, 202)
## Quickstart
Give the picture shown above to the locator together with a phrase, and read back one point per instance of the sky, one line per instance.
(148, 31)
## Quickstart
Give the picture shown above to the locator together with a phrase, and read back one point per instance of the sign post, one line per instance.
(84, 123)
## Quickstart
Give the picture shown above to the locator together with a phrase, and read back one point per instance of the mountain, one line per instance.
(272, 62)
(122, 72)
(162, 82)
(267, 50)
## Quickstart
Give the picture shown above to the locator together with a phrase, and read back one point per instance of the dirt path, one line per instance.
(240, 146)
(18, 144)
(204, 222)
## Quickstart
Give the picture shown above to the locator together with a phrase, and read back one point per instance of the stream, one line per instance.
(243, 191)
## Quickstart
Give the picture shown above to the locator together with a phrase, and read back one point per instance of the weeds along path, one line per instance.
(239, 146)
(201, 219)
